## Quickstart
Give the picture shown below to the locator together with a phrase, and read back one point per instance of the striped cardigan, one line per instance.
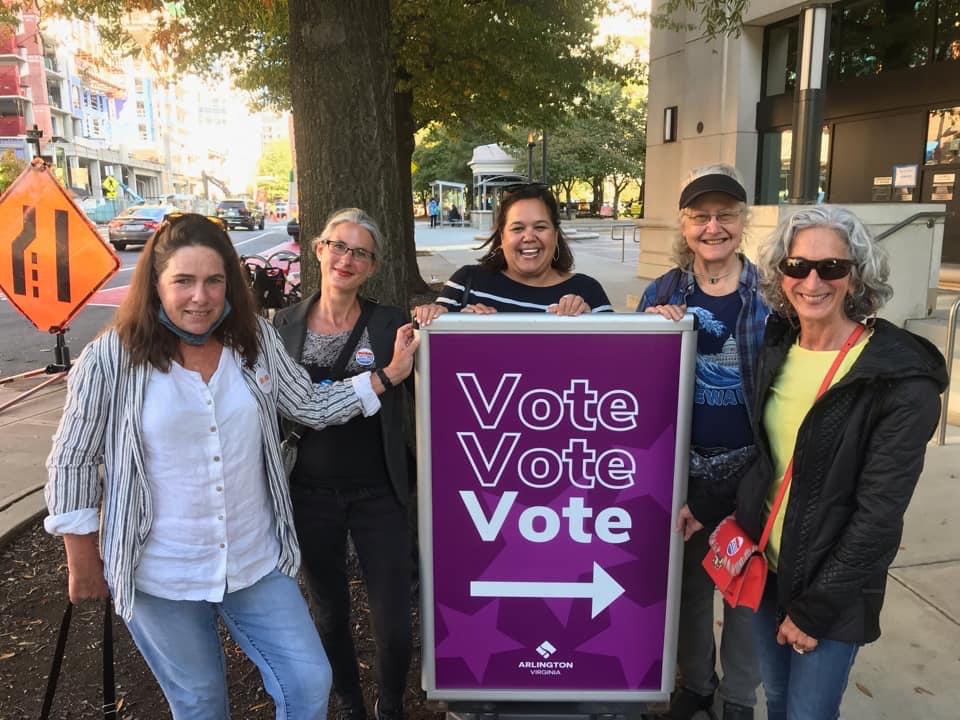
(101, 426)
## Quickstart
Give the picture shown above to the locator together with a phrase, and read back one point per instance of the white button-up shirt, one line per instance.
(212, 522)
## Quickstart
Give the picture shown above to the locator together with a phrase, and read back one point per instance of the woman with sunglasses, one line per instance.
(351, 480)
(719, 285)
(527, 266)
(169, 434)
(856, 453)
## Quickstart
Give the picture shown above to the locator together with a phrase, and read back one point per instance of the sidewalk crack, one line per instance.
(925, 600)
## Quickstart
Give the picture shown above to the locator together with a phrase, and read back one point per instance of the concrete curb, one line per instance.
(21, 513)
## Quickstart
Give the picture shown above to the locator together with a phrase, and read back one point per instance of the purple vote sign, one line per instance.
(550, 488)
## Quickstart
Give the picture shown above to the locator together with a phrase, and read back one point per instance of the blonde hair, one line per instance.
(355, 216)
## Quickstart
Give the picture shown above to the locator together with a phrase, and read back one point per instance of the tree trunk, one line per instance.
(406, 127)
(342, 92)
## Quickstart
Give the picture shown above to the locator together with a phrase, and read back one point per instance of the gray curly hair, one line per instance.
(869, 290)
(357, 217)
(680, 252)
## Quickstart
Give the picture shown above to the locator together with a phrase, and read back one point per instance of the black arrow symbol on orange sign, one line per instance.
(62, 225)
(19, 249)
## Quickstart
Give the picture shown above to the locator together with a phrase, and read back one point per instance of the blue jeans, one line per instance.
(799, 687)
(269, 620)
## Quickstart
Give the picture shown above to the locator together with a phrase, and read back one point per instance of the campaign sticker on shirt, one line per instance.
(263, 380)
(364, 357)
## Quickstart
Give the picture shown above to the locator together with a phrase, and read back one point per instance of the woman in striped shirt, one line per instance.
(169, 433)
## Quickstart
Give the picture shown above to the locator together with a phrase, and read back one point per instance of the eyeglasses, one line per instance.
(829, 269)
(726, 217)
(340, 249)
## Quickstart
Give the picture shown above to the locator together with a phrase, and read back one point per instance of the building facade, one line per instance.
(154, 131)
(891, 126)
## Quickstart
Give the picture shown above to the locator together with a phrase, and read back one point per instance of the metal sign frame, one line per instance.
(544, 326)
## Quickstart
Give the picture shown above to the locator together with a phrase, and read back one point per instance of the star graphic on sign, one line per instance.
(637, 656)
(474, 638)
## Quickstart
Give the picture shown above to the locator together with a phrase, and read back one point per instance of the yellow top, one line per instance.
(791, 397)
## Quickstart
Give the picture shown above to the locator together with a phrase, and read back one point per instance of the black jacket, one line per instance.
(858, 455)
(291, 323)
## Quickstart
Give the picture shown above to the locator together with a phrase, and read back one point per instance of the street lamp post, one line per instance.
(33, 138)
(543, 159)
(808, 103)
(531, 141)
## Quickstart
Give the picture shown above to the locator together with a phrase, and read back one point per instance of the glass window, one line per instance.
(948, 30)
(775, 152)
(870, 36)
(943, 137)
(781, 58)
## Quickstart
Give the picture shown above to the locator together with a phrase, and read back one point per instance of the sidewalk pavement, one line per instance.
(913, 671)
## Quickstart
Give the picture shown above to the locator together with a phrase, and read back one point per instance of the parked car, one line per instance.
(280, 208)
(136, 225)
(240, 213)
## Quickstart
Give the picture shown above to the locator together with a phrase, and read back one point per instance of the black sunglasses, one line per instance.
(829, 269)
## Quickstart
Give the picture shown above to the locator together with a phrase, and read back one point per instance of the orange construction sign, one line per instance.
(52, 259)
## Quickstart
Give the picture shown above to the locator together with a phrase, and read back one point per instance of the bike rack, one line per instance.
(623, 237)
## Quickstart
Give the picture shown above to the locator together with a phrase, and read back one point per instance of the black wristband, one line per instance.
(383, 378)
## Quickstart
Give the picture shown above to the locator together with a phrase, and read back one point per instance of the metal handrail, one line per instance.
(948, 356)
(931, 216)
(623, 237)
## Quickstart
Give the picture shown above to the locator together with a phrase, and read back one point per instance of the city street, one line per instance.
(25, 348)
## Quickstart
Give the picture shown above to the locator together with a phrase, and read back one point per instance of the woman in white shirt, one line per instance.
(177, 403)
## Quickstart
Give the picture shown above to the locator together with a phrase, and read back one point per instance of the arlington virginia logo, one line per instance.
(546, 666)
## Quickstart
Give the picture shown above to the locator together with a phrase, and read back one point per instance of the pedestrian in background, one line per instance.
(351, 480)
(719, 285)
(433, 210)
(856, 454)
(169, 431)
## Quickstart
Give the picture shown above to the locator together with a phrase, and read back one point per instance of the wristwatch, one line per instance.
(383, 378)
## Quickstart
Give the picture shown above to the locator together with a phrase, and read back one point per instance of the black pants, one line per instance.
(377, 523)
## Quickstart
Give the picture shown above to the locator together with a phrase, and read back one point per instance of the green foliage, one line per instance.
(10, 168)
(717, 17)
(497, 62)
(275, 163)
(601, 137)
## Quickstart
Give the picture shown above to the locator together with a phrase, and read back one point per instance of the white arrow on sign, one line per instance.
(602, 590)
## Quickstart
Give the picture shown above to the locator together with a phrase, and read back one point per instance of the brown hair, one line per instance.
(493, 260)
(137, 320)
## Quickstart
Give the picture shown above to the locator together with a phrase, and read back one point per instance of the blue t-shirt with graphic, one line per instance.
(720, 417)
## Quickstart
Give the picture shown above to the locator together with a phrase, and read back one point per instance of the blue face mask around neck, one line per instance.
(189, 337)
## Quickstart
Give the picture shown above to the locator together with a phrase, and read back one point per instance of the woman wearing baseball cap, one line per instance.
(718, 284)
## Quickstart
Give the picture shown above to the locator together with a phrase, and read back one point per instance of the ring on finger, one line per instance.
(798, 650)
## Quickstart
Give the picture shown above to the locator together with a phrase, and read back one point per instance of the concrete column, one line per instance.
(96, 178)
(808, 103)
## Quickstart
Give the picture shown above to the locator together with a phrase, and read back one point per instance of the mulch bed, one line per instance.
(32, 599)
